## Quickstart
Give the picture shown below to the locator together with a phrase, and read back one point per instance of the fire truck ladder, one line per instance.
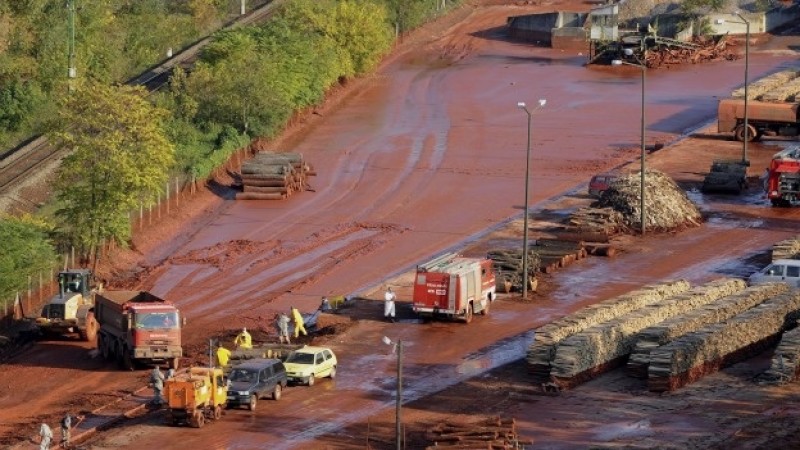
(438, 262)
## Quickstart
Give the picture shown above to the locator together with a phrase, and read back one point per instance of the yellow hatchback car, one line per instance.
(308, 363)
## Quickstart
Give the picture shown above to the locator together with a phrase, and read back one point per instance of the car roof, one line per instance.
(311, 349)
(789, 262)
(258, 363)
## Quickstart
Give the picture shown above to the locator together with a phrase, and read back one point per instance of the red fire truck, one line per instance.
(454, 286)
(783, 182)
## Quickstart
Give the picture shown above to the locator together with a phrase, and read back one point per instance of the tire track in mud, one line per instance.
(228, 277)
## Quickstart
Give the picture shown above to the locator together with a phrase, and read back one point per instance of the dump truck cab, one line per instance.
(196, 396)
(72, 308)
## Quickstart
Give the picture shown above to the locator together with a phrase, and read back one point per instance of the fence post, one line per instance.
(141, 214)
(159, 206)
(167, 190)
(29, 294)
(177, 193)
(150, 214)
(40, 287)
(73, 255)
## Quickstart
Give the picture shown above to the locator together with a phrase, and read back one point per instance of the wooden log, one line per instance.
(266, 190)
(259, 196)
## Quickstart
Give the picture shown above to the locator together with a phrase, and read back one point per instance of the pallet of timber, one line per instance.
(494, 434)
(604, 346)
(718, 311)
(546, 338)
(274, 176)
(705, 351)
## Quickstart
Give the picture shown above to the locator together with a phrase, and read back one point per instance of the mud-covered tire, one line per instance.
(217, 412)
(277, 392)
(253, 402)
(468, 314)
(102, 347)
(89, 333)
(752, 133)
(333, 373)
(173, 363)
(485, 310)
(197, 420)
(126, 360)
(311, 380)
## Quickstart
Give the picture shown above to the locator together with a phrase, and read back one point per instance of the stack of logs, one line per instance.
(707, 49)
(544, 255)
(769, 88)
(274, 176)
(786, 249)
(492, 434)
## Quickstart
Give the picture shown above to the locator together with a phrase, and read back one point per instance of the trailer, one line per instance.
(137, 326)
(453, 286)
(763, 118)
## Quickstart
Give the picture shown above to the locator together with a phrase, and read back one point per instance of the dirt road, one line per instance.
(427, 155)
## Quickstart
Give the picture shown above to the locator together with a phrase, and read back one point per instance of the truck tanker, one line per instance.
(763, 118)
(137, 326)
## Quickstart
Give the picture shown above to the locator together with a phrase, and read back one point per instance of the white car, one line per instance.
(781, 270)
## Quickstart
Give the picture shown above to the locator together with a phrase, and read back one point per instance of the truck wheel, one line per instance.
(197, 420)
(253, 402)
(333, 372)
(217, 412)
(127, 361)
(311, 380)
(276, 394)
(102, 346)
(751, 133)
(89, 333)
(173, 363)
(485, 310)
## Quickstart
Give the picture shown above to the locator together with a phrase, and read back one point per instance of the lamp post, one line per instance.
(71, 70)
(746, 67)
(398, 348)
(643, 67)
(522, 106)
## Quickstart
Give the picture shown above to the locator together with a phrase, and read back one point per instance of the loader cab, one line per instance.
(74, 282)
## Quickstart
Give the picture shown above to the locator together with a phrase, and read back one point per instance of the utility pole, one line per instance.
(72, 71)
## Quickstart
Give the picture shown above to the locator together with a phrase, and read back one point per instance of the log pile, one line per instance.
(492, 434)
(705, 351)
(619, 208)
(785, 92)
(785, 365)
(507, 266)
(718, 311)
(707, 49)
(757, 89)
(274, 176)
(601, 347)
(786, 249)
(546, 339)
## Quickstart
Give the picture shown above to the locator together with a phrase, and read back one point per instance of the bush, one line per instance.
(25, 251)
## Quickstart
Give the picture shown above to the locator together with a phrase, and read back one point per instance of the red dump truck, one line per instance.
(763, 118)
(137, 326)
(454, 286)
(783, 179)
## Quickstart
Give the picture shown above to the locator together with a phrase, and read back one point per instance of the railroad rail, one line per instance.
(22, 161)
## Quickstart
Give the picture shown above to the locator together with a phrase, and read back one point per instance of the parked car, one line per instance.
(600, 183)
(781, 270)
(308, 363)
(254, 379)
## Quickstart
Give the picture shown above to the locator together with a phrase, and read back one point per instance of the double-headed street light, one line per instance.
(746, 131)
(522, 106)
(397, 348)
(643, 67)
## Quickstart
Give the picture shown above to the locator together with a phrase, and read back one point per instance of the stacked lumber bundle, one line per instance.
(603, 346)
(723, 309)
(786, 249)
(785, 92)
(606, 221)
(705, 351)
(758, 88)
(274, 176)
(555, 253)
(546, 339)
(666, 205)
(707, 49)
(492, 434)
(507, 266)
(785, 365)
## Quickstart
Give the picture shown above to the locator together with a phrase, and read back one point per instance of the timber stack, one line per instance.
(761, 89)
(544, 255)
(785, 364)
(618, 210)
(491, 434)
(547, 338)
(604, 346)
(274, 176)
(718, 311)
(705, 351)
(786, 249)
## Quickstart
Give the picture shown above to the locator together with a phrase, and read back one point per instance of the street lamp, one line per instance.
(643, 67)
(522, 106)
(397, 348)
(746, 131)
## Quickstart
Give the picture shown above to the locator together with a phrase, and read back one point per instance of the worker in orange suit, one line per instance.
(298, 323)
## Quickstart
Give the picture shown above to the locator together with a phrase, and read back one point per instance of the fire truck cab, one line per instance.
(455, 287)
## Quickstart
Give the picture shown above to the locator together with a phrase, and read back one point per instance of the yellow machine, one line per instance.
(195, 396)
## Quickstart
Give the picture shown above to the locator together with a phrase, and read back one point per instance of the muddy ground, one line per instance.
(423, 157)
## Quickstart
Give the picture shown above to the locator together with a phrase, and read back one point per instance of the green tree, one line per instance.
(25, 251)
(700, 6)
(120, 157)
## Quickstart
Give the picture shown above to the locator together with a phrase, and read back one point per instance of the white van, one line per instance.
(786, 270)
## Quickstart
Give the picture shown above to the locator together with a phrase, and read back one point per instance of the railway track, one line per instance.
(19, 163)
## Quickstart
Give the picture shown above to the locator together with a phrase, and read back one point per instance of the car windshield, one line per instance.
(242, 375)
(301, 358)
(157, 320)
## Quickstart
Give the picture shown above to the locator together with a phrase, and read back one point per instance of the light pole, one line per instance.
(522, 106)
(398, 348)
(746, 67)
(71, 70)
(643, 67)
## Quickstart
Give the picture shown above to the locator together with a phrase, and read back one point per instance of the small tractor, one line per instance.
(72, 309)
(195, 396)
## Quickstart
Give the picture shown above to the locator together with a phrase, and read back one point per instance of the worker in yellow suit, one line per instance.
(223, 356)
(298, 323)
(243, 340)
